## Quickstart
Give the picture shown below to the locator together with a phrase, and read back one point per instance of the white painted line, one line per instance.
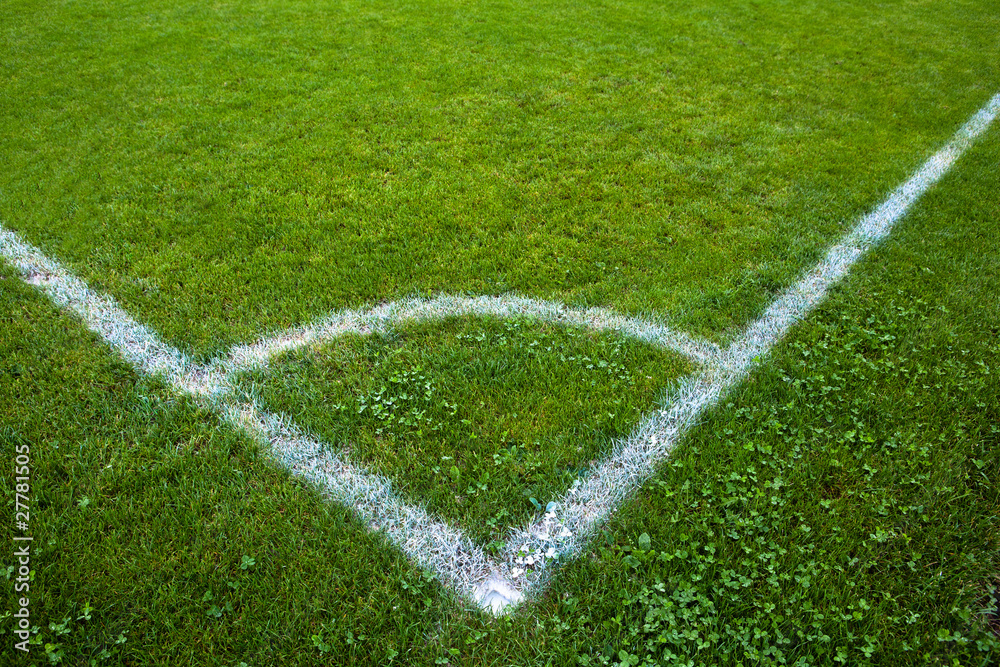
(426, 540)
(382, 317)
(136, 343)
(634, 459)
(529, 552)
(430, 542)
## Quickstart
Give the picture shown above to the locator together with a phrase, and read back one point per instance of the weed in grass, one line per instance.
(815, 535)
(841, 509)
(486, 421)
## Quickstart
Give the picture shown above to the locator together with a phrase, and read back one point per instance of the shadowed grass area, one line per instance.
(484, 420)
(228, 168)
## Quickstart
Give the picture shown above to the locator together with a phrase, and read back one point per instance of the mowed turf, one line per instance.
(840, 507)
(484, 421)
(225, 169)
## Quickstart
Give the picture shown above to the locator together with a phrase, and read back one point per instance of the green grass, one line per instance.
(852, 484)
(224, 170)
(486, 421)
(843, 505)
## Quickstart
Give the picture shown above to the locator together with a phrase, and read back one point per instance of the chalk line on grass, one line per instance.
(140, 346)
(633, 460)
(495, 584)
(429, 541)
(379, 318)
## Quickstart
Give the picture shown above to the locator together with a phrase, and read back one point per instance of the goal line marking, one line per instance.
(525, 560)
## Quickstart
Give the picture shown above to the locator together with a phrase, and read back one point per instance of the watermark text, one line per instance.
(22, 543)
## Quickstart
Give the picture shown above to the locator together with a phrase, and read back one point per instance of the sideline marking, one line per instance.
(524, 565)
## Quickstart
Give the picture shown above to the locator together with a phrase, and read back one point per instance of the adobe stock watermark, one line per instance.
(22, 544)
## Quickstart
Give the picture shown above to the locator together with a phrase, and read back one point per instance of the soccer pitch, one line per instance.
(497, 287)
